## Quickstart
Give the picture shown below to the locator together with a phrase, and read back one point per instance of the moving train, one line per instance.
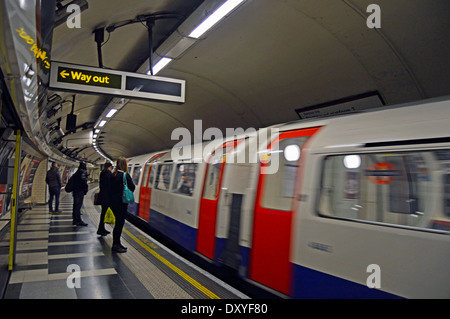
(356, 206)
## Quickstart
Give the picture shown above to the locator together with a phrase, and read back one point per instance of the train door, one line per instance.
(146, 188)
(206, 234)
(274, 207)
(144, 196)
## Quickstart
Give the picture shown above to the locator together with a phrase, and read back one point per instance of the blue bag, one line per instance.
(127, 195)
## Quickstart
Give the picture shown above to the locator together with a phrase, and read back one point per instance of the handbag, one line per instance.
(96, 201)
(127, 195)
(109, 217)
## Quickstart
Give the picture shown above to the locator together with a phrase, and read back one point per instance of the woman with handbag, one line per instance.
(103, 197)
(120, 181)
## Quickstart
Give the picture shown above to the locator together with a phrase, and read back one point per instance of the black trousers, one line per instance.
(101, 225)
(77, 204)
(54, 193)
(119, 210)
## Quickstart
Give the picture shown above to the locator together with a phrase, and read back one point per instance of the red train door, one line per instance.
(274, 209)
(209, 203)
(146, 188)
(144, 195)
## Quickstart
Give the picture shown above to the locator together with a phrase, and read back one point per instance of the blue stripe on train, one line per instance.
(133, 208)
(183, 234)
(186, 236)
(309, 283)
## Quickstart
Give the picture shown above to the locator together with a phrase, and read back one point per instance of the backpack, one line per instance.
(69, 185)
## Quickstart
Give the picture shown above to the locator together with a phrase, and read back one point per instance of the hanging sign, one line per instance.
(91, 80)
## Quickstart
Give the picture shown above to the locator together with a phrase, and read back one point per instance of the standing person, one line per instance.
(80, 188)
(118, 207)
(103, 197)
(53, 179)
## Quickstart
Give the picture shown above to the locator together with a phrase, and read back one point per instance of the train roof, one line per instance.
(415, 123)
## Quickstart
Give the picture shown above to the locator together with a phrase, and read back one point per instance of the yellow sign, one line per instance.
(91, 78)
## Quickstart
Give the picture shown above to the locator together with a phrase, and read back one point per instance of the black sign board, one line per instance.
(91, 80)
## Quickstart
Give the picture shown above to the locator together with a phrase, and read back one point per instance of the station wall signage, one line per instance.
(91, 80)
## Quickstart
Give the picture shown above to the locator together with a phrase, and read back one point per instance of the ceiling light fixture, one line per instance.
(214, 18)
(102, 123)
(111, 113)
(161, 65)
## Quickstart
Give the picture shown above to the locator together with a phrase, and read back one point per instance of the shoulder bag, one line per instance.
(127, 195)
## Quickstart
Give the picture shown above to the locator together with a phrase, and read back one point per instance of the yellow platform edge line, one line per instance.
(177, 270)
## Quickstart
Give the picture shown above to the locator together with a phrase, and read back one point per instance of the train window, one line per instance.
(446, 197)
(184, 182)
(145, 176)
(398, 188)
(152, 175)
(211, 189)
(163, 176)
(279, 187)
(136, 174)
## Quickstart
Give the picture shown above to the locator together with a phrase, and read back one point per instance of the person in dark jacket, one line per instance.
(117, 206)
(80, 188)
(103, 197)
(53, 179)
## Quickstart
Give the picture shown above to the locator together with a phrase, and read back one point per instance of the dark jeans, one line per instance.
(77, 204)
(119, 211)
(54, 193)
(101, 225)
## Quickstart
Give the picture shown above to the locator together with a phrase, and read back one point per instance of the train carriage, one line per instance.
(345, 207)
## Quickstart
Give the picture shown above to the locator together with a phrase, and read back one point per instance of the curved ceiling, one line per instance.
(264, 61)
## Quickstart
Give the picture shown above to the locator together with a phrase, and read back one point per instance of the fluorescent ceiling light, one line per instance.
(226, 8)
(102, 123)
(111, 113)
(161, 65)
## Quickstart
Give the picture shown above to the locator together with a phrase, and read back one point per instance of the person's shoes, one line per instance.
(119, 249)
(103, 232)
(80, 223)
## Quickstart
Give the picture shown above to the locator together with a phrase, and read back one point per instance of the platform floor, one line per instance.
(50, 248)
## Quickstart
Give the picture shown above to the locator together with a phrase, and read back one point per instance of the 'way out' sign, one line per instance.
(91, 80)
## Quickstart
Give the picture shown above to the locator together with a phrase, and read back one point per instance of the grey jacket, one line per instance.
(53, 178)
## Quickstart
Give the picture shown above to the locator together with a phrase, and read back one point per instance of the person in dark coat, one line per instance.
(117, 206)
(103, 197)
(80, 188)
(53, 179)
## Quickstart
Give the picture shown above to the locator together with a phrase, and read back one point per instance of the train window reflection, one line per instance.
(136, 174)
(212, 181)
(397, 188)
(184, 181)
(163, 177)
(152, 176)
(145, 176)
(279, 187)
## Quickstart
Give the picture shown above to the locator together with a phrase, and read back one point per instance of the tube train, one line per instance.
(356, 206)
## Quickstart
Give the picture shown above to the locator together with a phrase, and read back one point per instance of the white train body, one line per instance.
(350, 207)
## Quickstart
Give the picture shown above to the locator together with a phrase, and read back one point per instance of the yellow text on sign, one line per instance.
(80, 76)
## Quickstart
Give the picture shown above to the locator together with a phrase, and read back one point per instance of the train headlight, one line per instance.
(292, 153)
(352, 161)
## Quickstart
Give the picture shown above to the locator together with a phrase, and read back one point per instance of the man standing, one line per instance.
(53, 179)
(80, 188)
